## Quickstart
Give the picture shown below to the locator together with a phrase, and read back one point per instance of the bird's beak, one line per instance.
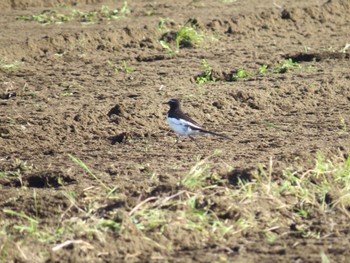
(165, 103)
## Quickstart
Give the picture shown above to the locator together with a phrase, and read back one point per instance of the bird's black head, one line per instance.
(173, 103)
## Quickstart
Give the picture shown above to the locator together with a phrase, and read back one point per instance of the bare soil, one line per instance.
(65, 98)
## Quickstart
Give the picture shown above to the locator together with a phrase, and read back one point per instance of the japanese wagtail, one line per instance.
(183, 125)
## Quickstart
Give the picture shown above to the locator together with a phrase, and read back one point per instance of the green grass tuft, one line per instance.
(90, 17)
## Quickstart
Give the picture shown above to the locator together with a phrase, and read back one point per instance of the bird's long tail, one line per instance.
(216, 134)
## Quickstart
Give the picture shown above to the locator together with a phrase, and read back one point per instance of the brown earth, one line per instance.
(69, 100)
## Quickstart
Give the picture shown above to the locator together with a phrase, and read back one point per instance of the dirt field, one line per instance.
(88, 167)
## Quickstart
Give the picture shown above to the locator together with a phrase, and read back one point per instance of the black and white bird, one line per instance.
(183, 125)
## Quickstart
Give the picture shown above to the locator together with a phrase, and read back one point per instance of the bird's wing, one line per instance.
(194, 126)
(186, 120)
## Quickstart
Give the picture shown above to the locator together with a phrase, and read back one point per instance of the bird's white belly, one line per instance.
(181, 127)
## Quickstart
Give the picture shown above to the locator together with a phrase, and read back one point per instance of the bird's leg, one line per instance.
(177, 139)
(192, 139)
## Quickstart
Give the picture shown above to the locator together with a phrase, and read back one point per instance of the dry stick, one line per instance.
(153, 198)
(73, 204)
(141, 204)
(166, 199)
(68, 242)
(21, 251)
(69, 208)
(129, 256)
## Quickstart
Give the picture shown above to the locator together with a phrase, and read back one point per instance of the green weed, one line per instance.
(203, 204)
(113, 66)
(9, 67)
(90, 17)
(204, 219)
(83, 165)
(120, 68)
(47, 17)
(207, 75)
(244, 73)
(283, 67)
(167, 47)
(161, 26)
(149, 219)
(109, 225)
(18, 169)
(10, 173)
(241, 74)
(262, 70)
(184, 208)
(304, 213)
(125, 8)
(324, 187)
(197, 176)
(126, 68)
(286, 65)
(31, 224)
(188, 37)
(151, 215)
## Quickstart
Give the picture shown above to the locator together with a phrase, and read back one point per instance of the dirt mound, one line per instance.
(120, 37)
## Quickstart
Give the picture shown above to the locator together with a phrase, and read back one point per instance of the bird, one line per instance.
(183, 125)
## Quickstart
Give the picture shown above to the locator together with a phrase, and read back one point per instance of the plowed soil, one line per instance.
(95, 92)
